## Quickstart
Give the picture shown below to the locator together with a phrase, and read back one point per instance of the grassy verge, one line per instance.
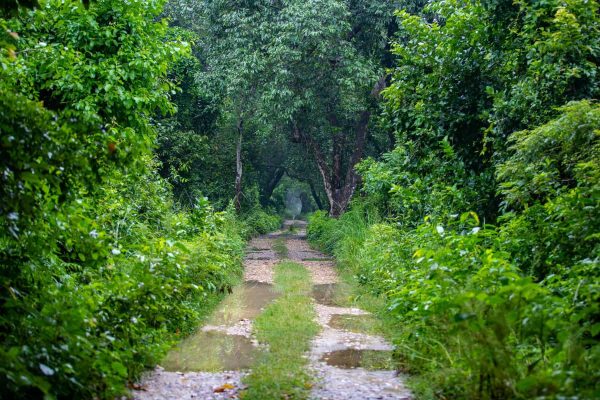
(286, 327)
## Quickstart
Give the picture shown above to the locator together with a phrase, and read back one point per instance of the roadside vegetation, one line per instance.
(101, 268)
(479, 230)
(280, 247)
(285, 328)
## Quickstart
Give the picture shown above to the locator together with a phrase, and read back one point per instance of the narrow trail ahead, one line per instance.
(211, 364)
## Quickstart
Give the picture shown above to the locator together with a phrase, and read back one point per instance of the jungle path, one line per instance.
(344, 360)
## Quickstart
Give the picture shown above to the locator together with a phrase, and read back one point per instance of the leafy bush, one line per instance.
(87, 324)
(487, 106)
(258, 221)
(551, 184)
(469, 323)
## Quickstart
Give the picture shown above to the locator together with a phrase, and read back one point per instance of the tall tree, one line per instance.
(329, 68)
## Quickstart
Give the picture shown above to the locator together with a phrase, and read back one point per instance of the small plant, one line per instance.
(257, 222)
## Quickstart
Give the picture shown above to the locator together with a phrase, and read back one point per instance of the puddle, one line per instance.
(212, 352)
(354, 323)
(310, 255)
(246, 302)
(353, 358)
(325, 294)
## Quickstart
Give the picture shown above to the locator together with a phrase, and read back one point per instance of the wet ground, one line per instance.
(325, 293)
(353, 358)
(347, 358)
(211, 351)
(225, 342)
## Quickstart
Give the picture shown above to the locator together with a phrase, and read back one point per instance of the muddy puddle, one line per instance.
(311, 256)
(354, 323)
(325, 294)
(213, 350)
(353, 358)
(246, 302)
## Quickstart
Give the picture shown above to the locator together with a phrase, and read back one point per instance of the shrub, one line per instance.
(99, 271)
(83, 323)
(258, 221)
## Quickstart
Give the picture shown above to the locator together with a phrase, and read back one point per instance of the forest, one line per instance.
(445, 152)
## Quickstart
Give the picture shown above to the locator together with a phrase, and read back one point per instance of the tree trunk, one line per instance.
(272, 184)
(315, 195)
(238, 167)
(339, 189)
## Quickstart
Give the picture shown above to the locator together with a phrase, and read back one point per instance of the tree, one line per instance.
(463, 83)
(328, 72)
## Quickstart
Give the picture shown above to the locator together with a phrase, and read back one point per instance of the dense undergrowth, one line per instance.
(494, 311)
(100, 270)
(83, 323)
(257, 221)
(478, 223)
(481, 228)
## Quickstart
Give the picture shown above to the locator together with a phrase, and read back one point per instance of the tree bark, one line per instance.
(238, 167)
(339, 189)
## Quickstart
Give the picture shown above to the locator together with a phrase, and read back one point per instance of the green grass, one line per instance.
(286, 327)
(280, 248)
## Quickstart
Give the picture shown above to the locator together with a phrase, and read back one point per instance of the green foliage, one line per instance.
(258, 221)
(327, 233)
(197, 156)
(552, 181)
(107, 254)
(468, 75)
(99, 270)
(493, 312)
(469, 323)
(408, 186)
(101, 314)
(550, 160)
(487, 105)
(300, 70)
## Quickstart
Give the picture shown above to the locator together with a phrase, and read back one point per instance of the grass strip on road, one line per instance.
(280, 247)
(286, 327)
